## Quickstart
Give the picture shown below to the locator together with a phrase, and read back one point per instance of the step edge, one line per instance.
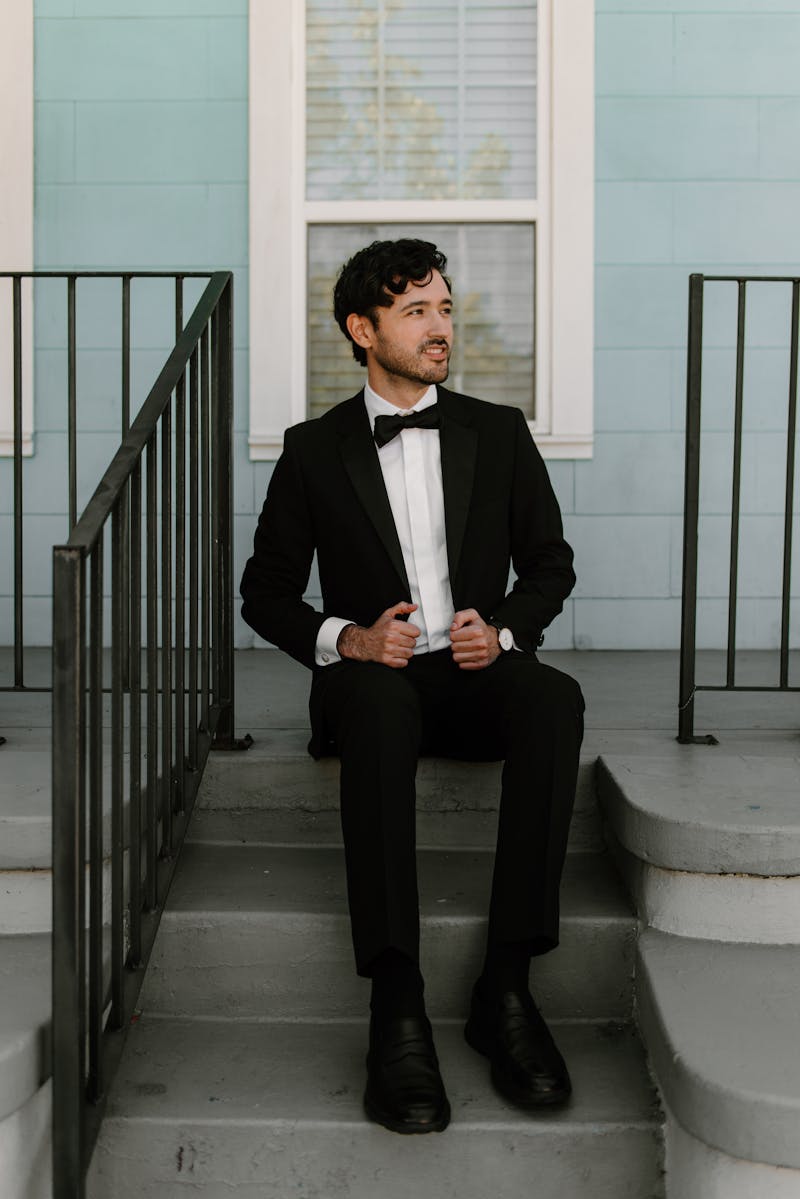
(711, 1111)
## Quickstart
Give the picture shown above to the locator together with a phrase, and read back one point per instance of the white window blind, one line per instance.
(413, 101)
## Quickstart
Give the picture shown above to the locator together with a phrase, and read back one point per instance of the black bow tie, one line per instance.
(387, 427)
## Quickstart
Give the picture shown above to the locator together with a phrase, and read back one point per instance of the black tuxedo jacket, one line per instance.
(327, 495)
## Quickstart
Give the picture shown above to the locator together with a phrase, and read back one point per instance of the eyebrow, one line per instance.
(425, 303)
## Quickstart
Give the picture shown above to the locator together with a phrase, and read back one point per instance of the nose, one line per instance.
(441, 324)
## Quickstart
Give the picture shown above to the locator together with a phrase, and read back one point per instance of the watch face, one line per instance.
(506, 639)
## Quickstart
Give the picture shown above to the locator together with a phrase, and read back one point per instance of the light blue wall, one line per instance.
(698, 169)
(141, 160)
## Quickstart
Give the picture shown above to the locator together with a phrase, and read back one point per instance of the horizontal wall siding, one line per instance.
(141, 161)
(698, 167)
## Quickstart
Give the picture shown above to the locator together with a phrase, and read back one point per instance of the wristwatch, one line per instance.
(504, 635)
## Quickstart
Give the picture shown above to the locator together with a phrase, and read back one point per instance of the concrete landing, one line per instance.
(270, 1110)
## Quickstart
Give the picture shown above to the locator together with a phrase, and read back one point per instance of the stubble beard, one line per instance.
(413, 366)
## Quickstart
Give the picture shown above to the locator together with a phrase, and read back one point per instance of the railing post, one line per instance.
(691, 510)
(788, 516)
(222, 515)
(69, 865)
(19, 658)
(736, 487)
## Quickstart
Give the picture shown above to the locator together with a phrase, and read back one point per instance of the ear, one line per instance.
(360, 329)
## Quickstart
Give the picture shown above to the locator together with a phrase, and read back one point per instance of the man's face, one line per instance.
(413, 339)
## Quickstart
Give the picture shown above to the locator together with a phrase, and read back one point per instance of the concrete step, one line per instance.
(25, 1066)
(277, 773)
(263, 1110)
(255, 930)
(295, 827)
(709, 839)
(701, 809)
(24, 1019)
(25, 836)
(723, 1034)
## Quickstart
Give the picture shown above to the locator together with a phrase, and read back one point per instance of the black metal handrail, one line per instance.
(160, 491)
(72, 279)
(688, 686)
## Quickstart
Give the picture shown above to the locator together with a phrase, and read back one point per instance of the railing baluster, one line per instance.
(166, 634)
(791, 436)
(193, 557)
(691, 511)
(96, 822)
(19, 632)
(118, 606)
(736, 489)
(180, 566)
(205, 536)
(180, 596)
(69, 858)
(222, 509)
(214, 507)
(126, 353)
(151, 602)
(72, 403)
(135, 717)
(126, 420)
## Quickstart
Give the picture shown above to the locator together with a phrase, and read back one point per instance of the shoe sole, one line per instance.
(378, 1116)
(504, 1086)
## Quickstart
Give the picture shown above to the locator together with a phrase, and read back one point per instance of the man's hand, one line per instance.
(388, 640)
(475, 644)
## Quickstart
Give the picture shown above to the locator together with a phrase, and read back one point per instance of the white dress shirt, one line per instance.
(412, 472)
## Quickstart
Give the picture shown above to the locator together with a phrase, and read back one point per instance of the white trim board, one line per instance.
(16, 210)
(564, 216)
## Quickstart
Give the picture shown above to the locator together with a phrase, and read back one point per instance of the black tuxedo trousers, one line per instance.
(383, 719)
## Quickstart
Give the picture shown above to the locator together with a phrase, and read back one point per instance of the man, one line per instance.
(416, 501)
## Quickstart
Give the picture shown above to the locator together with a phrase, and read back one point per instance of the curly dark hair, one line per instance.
(375, 275)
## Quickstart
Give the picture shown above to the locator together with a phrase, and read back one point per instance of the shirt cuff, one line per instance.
(325, 652)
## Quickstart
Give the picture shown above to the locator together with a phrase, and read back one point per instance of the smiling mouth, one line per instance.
(438, 351)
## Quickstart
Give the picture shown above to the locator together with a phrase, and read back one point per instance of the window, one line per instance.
(381, 118)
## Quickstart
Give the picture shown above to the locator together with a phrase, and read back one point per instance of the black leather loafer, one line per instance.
(405, 1092)
(526, 1067)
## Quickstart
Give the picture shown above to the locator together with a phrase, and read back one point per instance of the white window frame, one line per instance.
(16, 212)
(564, 215)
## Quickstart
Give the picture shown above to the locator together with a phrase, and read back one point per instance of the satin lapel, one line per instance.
(459, 448)
(360, 459)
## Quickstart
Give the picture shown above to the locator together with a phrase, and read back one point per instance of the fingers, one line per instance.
(471, 641)
(465, 616)
(403, 608)
(396, 651)
(392, 638)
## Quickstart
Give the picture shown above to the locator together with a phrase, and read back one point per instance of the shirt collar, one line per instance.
(377, 406)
